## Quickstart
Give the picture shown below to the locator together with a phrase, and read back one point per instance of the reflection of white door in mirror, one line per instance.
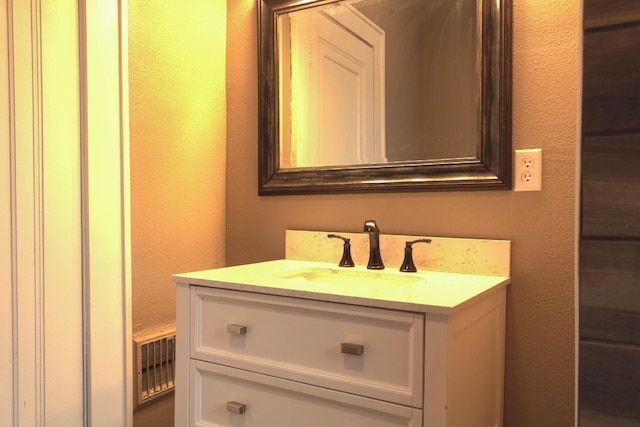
(336, 90)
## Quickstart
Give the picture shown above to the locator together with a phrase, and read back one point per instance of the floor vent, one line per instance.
(155, 366)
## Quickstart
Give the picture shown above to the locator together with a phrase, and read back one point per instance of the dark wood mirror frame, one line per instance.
(491, 171)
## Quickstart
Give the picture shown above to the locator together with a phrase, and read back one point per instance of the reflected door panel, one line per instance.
(335, 97)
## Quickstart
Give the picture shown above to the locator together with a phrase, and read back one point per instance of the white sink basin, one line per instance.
(348, 277)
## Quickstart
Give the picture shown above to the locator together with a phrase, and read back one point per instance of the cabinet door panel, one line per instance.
(610, 291)
(611, 186)
(312, 342)
(600, 13)
(611, 81)
(228, 397)
(609, 385)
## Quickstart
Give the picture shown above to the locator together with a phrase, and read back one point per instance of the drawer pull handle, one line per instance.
(236, 407)
(349, 348)
(237, 329)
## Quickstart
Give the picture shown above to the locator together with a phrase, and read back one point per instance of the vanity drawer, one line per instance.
(312, 342)
(231, 397)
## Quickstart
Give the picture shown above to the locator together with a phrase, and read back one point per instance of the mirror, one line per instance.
(384, 95)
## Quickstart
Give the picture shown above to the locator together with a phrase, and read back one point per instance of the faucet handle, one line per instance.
(346, 260)
(407, 265)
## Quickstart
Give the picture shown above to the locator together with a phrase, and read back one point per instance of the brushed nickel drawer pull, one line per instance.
(236, 329)
(236, 407)
(350, 348)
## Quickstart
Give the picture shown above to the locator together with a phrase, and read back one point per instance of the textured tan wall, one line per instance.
(539, 388)
(178, 132)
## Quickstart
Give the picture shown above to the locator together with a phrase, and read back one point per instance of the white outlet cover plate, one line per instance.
(527, 170)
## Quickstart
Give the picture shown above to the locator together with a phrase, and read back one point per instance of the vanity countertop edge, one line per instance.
(439, 293)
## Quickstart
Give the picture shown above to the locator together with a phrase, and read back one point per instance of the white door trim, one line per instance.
(107, 275)
(40, 330)
(6, 228)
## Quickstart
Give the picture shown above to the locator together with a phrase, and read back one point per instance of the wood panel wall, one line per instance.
(609, 350)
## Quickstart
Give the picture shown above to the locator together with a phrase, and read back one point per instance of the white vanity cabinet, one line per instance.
(292, 362)
(277, 356)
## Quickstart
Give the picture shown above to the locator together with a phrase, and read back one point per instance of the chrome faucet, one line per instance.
(375, 260)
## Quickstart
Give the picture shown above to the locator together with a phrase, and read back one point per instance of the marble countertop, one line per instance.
(424, 292)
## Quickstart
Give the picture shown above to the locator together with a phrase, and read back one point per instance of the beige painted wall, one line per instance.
(539, 388)
(178, 127)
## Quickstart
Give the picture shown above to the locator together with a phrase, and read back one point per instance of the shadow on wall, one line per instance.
(156, 414)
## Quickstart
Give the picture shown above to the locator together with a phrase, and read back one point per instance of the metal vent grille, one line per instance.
(155, 366)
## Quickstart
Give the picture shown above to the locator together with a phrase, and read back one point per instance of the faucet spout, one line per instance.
(375, 259)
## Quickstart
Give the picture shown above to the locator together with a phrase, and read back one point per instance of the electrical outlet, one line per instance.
(528, 170)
